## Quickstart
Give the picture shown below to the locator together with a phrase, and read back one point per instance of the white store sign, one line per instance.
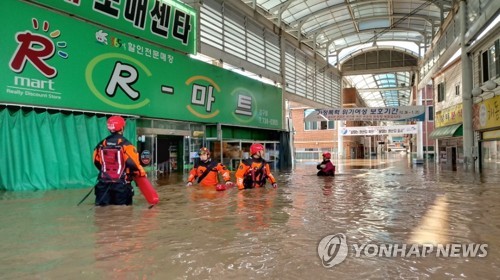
(379, 130)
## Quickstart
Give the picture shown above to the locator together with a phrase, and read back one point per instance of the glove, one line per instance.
(140, 173)
(189, 184)
(322, 166)
(275, 185)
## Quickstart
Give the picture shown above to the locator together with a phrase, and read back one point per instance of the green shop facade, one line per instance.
(63, 75)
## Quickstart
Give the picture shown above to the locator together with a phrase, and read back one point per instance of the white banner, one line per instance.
(379, 130)
(401, 113)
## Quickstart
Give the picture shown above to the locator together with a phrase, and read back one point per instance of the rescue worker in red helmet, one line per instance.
(118, 161)
(253, 172)
(326, 167)
(206, 171)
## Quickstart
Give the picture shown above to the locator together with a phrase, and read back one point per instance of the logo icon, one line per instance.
(37, 49)
(333, 249)
(101, 37)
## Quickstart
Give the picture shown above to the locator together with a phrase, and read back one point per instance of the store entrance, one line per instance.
(169, 151)
(160, 154)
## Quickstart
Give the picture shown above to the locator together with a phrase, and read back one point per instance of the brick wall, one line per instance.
(308, 139)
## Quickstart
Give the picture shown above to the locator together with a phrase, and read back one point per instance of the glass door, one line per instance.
(191, 148)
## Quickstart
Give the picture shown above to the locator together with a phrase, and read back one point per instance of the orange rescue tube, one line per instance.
(220, 187)
(147, 189)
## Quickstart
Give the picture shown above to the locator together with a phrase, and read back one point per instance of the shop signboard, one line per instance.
(449, 116)
(169, 23)
(489, 113)
(52, 60)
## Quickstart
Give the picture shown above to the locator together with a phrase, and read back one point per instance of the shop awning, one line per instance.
(453, 130)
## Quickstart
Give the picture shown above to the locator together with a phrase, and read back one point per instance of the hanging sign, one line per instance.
(401, 113)
(379, 130)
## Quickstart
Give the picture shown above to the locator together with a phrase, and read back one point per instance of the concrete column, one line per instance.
(220, 137)
(287, 120)
(437, 155)
(340, 140)
(420, 139)
(369, 146)
(419, 145)
(341, 123)
(468, 138)
(285, 112)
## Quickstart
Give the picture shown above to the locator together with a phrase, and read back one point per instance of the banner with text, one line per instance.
(166, 22)
(52, 60)
(401, 113)
(449, 116)
(489, 113)
(379, 130)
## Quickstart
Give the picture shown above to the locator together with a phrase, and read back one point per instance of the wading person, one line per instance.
(326, 167)
(118, 161)
(254, 171)
(207, 170)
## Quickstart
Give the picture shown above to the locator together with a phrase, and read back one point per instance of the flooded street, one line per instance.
(197, 233)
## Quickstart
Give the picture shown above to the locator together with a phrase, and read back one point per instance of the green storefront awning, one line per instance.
(453, 130)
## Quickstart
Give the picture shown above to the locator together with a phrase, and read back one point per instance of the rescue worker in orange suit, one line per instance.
(118, 161)
(253, 172)
(326, 167)
(205, 172)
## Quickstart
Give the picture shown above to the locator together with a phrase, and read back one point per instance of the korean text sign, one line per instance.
(49, 59)
(401, 113)
(166, 22)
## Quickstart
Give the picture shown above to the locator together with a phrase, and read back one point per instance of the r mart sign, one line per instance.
(52, 60)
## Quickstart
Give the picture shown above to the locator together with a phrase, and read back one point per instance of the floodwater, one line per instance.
(266, 233)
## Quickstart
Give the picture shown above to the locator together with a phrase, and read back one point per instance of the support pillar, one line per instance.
(468, 138)
(420, 139)
(340, 140)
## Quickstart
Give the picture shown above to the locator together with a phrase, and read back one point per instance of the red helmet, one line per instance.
(116, 123)
(204, 151)
(327, 155)
(255, 148)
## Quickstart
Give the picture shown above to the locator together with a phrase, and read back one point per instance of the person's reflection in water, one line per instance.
(120, 250)
(328, 186)
(210, 203)
(254, 208)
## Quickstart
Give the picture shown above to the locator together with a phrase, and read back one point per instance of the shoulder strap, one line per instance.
(261, 171)
(263, 164)
(205, 173)
(247, 162)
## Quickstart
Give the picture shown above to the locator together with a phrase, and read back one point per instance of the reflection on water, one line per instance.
(199, 233)
(433, 226)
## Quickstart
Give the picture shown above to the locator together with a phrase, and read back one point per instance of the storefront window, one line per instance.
(490, 155)
(230, 153)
